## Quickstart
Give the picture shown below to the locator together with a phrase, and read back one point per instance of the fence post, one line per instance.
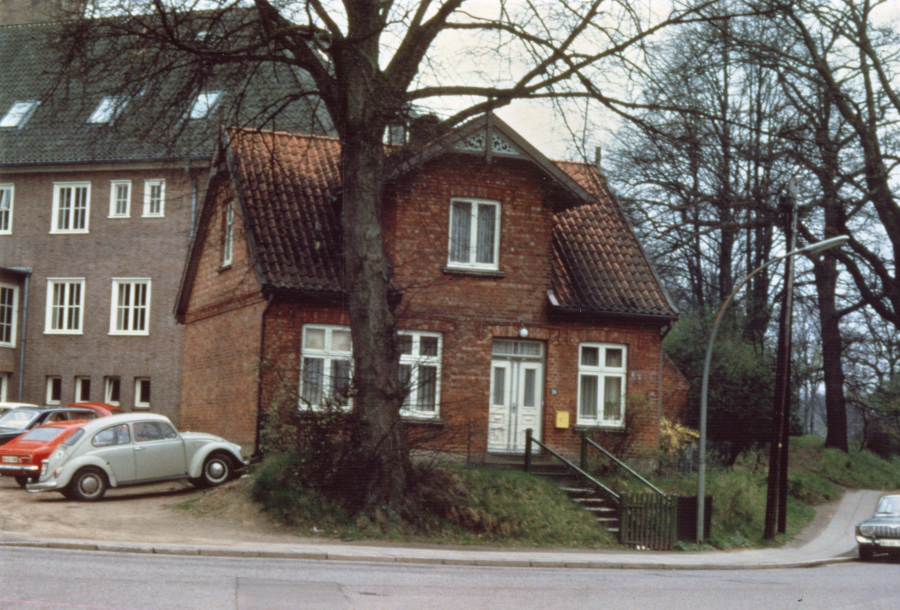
(527, 449)
(583, 451)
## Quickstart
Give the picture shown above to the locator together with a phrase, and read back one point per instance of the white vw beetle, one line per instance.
(131, 449)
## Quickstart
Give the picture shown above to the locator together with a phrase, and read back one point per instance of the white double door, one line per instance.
(516, 395)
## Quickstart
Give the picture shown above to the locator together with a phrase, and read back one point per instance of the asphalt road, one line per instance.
(48, 578)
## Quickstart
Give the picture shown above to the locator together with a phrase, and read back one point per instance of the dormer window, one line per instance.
(107, 110)
(18, 114)
(204, 104)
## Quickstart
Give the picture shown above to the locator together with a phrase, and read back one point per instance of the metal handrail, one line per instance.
(619, 462)
(530, 439)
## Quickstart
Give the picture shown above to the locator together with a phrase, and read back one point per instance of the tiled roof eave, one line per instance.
(612, 313)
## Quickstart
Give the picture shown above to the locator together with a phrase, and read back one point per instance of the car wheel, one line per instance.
(88, 484)
(216, 470)
(866, 553)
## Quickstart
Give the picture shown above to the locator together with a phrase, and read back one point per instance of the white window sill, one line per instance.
(123, 333)
(482, 271)
(608, 426)
(63, 332)
(141, 407)
(118, 217)
(75, 232)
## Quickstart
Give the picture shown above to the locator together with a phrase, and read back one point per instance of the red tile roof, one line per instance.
(599, 266)
(290, 192)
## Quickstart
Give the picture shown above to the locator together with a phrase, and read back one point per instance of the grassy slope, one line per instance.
(478, 506)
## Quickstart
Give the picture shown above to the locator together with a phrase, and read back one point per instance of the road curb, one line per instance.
(593, 564)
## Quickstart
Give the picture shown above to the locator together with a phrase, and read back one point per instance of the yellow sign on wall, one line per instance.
(562, 419)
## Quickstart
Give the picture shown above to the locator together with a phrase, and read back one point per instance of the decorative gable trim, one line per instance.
(499, 145)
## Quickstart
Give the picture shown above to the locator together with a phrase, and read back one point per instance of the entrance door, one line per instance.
(517, 374)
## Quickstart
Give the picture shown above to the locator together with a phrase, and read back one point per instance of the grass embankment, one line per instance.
(480, 506)
(816, 475)
(455, 505)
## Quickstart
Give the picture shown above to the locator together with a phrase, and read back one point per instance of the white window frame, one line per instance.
(18, 114)
(131, 308)
(228, 235)
(70, 224)
(108, 386)
(79, 387)
(415, 360)
(7, 200)
(603, 373)
(204, 104)
(114, 186)
(149, 211)
(327, 356)
(12, 321)
(138, 403)
(69, 283)
(108, 109)
(49, 395)
(470, 261)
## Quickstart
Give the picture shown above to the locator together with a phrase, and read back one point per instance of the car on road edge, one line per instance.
(880, 532)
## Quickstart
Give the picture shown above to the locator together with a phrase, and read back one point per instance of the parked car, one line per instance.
(18, 421)
(133, 449)
(881, 532)
(104, 406)
(22, 457)
(8, 406)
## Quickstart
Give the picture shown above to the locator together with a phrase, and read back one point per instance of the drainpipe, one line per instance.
(27, 273)
(659, 381)
(259, 380)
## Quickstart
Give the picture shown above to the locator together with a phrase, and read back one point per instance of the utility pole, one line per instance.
(776, 498)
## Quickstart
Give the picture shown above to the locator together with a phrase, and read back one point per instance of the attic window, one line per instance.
(204, 104)
(18, 114)
(107, 110)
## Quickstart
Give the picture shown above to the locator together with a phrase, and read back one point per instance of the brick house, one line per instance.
(98, 197)
(523, 297)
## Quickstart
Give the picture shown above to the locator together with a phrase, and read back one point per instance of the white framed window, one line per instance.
(130, 309)
(71, 207)
(204, 104)
(54, 390)
(8, 304)
(154, 198)
(420, 372)
(112, 391)
(7, 194)
(326, 366)
(120, 198)
(108, 109)
(65, 306)
(601, 384)
(82, 389)
(228, 235)
(18, 114)
(141, 392)
(4, 387)
(474, 234)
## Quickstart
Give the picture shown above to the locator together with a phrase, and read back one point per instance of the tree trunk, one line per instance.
(833, 370)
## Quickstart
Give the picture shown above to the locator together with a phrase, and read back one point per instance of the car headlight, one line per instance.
(866, 530)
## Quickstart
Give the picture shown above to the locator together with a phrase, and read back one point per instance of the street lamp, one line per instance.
(815, 248)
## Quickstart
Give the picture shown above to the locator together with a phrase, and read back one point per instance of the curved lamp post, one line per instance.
(819, 246)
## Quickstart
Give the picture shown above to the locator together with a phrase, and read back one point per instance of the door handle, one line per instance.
(138, 448)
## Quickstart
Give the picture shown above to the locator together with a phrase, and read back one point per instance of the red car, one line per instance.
(23, 456)
(103, 409)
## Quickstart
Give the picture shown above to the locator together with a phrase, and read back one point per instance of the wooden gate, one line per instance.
(647, 520)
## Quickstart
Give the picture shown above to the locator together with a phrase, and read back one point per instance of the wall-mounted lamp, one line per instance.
(523, 332)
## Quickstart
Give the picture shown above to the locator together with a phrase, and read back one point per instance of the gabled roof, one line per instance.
(289, 189)
(151, 126)
(599, 265)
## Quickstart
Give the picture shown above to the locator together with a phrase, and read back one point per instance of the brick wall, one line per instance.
(675, 391)
(223, 330)
(132, 247)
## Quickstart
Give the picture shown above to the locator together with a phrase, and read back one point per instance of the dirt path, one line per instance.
(142, 514)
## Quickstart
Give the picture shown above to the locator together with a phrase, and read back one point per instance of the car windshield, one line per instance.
(43, 434)
(889, 506)
(17, 418)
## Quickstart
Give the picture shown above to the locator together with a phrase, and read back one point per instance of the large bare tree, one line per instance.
(369, 62)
